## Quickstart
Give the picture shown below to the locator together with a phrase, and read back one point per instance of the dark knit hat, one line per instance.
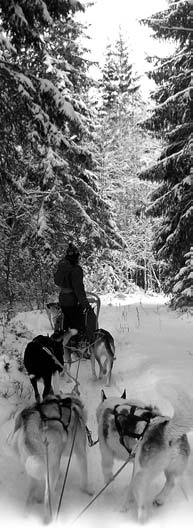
(72, 253)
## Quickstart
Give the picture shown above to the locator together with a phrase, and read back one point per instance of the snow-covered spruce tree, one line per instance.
(118, 79)
(49, 190)
(172, 200)
(124, 149)
(183, 290)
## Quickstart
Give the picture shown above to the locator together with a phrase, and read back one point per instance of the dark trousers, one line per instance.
(73, 318)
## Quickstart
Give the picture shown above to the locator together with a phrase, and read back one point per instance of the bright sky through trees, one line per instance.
(105, 18)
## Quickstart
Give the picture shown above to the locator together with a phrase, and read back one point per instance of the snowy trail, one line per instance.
(152, 343)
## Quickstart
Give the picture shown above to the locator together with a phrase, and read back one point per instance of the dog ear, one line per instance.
(103, 395)
(124, 395)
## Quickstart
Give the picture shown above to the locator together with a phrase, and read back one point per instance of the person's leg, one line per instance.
(84, 339)
(58, 323)
(91, 324)
(66, 313)
(74, 318)
(80, 317)
(71, 321)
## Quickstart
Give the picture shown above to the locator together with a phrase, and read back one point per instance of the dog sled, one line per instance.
(78, 344)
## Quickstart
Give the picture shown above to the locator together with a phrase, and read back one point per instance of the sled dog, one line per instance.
(155, 443)
(44, 358)
(102, 350)
(54, 313)
(42, 433)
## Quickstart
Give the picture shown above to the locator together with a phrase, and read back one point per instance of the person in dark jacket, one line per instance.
(76, 309)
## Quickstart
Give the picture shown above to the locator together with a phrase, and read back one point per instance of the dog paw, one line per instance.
(127, 505)
(88, 491)
(47, 518)
(142, 515)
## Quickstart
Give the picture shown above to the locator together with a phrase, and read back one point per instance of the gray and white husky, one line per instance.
(155, 444)
(43, 433)
(102, 351)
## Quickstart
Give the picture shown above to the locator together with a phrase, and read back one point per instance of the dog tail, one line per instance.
(182, 419)
(31, 452)
(109, 344)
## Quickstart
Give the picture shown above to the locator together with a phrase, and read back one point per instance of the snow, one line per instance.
(19, 15)
(172, 98)
(74, 2)
(153, 344)
(64, 106)
(42, 222)
(25, 80)
(46, 14)
(178, 286)
(5, 41)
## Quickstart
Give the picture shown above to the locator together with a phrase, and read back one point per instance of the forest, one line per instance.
(93, 162)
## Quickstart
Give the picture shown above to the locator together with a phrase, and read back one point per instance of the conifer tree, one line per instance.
(124, 148)
(109, 77)
(183, 291)
(172, 200)
(118, 79)
(49, 191)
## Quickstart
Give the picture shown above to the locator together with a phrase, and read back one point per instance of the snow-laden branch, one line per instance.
(174, 236)
(161, 202)
(172, 98)
(24, 80)
(18, 15)
(171, 28)
(46, 15)
(88, 189)
(26, 89)
(65, 107)
(5, 42)
(183, 129)
(168, 61)
(97, 229)
(160, 167)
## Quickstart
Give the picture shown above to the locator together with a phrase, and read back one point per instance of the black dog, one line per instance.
(44, 357)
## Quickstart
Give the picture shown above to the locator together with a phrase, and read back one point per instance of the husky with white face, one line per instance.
(155, 443)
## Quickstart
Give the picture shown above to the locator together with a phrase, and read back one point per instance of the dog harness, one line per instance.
(63, 418)
(126, 424)
(50, 352)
